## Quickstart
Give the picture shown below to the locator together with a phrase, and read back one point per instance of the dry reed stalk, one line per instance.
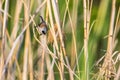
(4, 28)
(18, 69)
(30, 63)
(15, 30)
(19, 37)
(117, 28)
(62, 50)
(61, 65)
(71, 75)
(54, 56)
(117, 77)
(66, 10)
(27, 40)
(60, 56)
(1, 23)
(53, 33)
(55, 8)
(85, 40)
(87, 5)
(1, 58)
(47, 57)
(16, 20)
(30, 52)
(12, 65)
(74, 22)
(47, 15)
(107, 67)
(100, 22)
(1, 66)
(25, 63)
(52, 25)
(87, 13)
(5, 20)
(57, 19)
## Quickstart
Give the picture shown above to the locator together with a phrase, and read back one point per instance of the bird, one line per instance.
(43, 30)
(42, 27)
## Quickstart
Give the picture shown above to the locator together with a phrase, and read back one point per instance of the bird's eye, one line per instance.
(43, 32)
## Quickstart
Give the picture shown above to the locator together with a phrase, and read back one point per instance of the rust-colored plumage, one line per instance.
(50, 39)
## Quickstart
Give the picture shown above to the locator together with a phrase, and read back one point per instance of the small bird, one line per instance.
(42, 27)
(43, 30)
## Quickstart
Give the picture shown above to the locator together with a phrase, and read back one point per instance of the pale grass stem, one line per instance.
(53, 31)
(24, 54)
(18, 38)
(108, 65)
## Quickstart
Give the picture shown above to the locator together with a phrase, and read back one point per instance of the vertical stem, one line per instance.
(110, 38)
(85, 40)
(16, 19)
(57, 19)
(52, 24)
(27, 41)
(1, 57)
(3, 34)
(110, 41)
(4, 27)
(30, 62)
(74, 20)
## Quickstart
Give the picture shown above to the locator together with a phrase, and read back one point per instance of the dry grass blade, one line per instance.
(107, 66)
(4, 28)
(117, 28)
(74, 22)
(86, 27)
(5, 18)
(1, 10)
(66, 42)
(1, 58)
(118, 74)
(27, 42)
(57, 20)
(52, 24)
(16, 19)
(53, 31)
(3, 36)
(19, 37)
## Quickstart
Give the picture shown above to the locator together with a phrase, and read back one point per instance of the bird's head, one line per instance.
(42, 27)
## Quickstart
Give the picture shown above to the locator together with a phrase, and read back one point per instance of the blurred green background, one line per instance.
(100, 18)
